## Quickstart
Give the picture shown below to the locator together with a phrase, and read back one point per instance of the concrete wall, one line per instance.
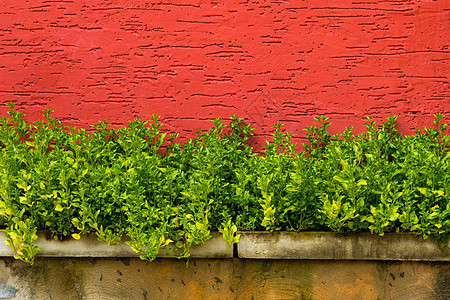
(131, 278)
(190, 61)
(281, 265)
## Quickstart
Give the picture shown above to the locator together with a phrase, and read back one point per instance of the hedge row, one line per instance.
(117, 182)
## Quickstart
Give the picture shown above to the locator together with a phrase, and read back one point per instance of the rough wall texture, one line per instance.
(223, 279)
(190, 61)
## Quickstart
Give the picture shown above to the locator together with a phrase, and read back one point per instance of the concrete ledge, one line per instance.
(265, 245)
(336, 246)
(89, 246)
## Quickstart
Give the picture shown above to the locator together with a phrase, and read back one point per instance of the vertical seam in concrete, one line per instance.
(235, 248)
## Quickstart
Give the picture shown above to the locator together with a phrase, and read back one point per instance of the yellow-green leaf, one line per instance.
(58, 207)
(361, 182)
(70, 160)
(76, 236)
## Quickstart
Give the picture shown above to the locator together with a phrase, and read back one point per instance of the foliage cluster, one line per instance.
(116, 182)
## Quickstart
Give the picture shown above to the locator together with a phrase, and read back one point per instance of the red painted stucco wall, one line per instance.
(190, 61)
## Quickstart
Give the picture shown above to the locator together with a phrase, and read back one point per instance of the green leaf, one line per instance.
(58, 207)
(340, 179)
(70, 160)
(423, 191)
(361, 182)
(76, 236)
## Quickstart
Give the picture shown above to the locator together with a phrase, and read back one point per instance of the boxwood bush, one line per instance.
(117, 182)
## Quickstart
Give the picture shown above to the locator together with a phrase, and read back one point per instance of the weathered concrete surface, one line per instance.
(132, 278)
(329, 245)
(89, 246)
(236, 278)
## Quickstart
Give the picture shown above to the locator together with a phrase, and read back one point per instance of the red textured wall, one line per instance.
(190, 61)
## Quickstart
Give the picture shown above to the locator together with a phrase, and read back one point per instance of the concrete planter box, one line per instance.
(266, 245)
(89, 246)
(339, 246)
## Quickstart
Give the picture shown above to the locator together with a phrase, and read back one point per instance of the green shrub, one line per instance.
(115, 182)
